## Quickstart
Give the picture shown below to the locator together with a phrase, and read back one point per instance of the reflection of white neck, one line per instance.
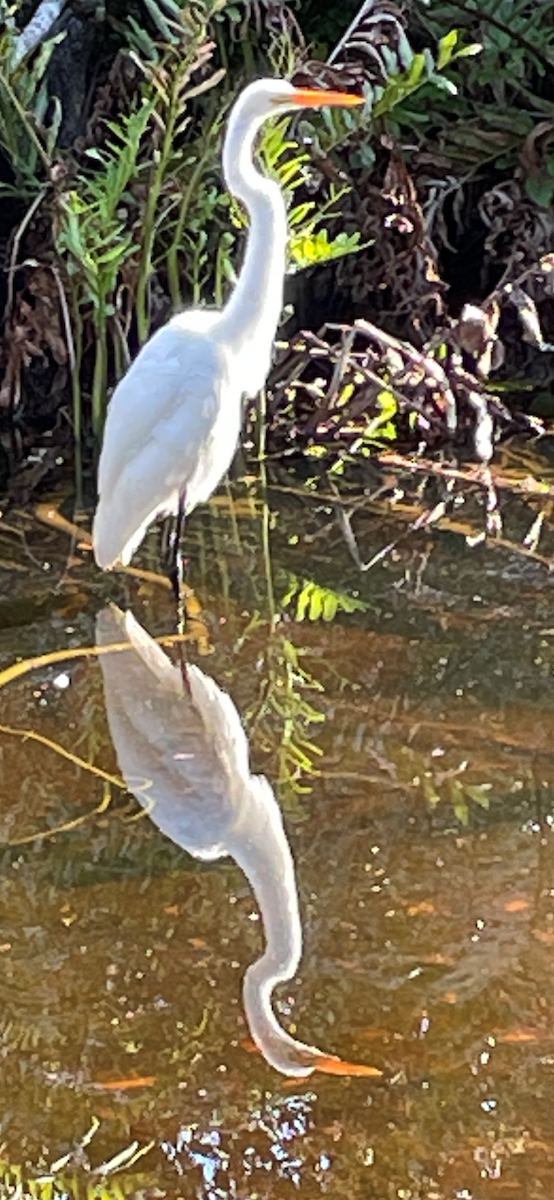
(259, 845)
(184, 755)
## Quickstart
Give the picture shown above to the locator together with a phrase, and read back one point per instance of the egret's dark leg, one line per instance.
(172, 557)
(166, 542)
(177, 563)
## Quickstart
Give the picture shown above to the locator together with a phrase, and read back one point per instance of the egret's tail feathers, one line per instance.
(115, 536)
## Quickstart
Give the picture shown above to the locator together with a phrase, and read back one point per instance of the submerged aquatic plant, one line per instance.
(319, 603)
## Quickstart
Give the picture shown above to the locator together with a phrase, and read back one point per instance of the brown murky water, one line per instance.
(409, 743)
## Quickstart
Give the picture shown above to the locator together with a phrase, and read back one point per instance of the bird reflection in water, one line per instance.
(183, 753)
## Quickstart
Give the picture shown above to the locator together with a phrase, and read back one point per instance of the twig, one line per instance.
(37, 29)
(425, 519)
(15, 249)
(421, 362)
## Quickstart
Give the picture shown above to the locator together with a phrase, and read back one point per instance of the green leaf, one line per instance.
(447, 46)
(303, 602)
(388, 403)
(462, 812)
(316, 605)
(317, 602)
(346, 394)
(430, 791)
(469, 51)
(480, 794)
(540, 189)
(330, 606)
(444, 84)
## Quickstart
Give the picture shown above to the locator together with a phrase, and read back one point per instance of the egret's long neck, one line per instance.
(251, 316)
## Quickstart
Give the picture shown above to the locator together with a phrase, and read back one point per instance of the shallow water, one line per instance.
(409, 743)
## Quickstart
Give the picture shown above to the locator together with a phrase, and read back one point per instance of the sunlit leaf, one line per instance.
(447, 46)
(316, 601)
(316, 604)
(462, 812)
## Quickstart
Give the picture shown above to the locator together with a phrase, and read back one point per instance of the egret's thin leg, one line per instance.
(177, 564)
(172, 531)
(166, 542)
(183, 667)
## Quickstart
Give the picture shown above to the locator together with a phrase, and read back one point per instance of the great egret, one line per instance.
(174, 420)
(183, 753)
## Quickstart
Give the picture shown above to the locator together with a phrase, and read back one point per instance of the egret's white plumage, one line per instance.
(182, 427)
(174, 420)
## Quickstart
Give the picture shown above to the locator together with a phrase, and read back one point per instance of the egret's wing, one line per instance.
(113, 624)
(174, 361)
(182, 750)
(165, 756)
(222, 726)
(160, 419)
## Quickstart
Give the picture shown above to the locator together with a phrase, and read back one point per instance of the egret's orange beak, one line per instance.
(308, 98)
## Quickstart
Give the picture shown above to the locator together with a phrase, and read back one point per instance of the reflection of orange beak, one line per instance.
(328, 1064)
(331, 1065)
(308, 98)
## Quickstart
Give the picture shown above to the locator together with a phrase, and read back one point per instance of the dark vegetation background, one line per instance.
(426, 219)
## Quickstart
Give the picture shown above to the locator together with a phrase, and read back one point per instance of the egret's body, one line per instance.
(172, 428)
(174, 420)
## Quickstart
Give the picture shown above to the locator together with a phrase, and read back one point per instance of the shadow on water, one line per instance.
(404, 722)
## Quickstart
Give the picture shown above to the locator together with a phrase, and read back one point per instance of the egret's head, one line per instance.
(267, 97)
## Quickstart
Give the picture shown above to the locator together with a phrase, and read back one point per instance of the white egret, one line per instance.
(183, 753)
(174, 420)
